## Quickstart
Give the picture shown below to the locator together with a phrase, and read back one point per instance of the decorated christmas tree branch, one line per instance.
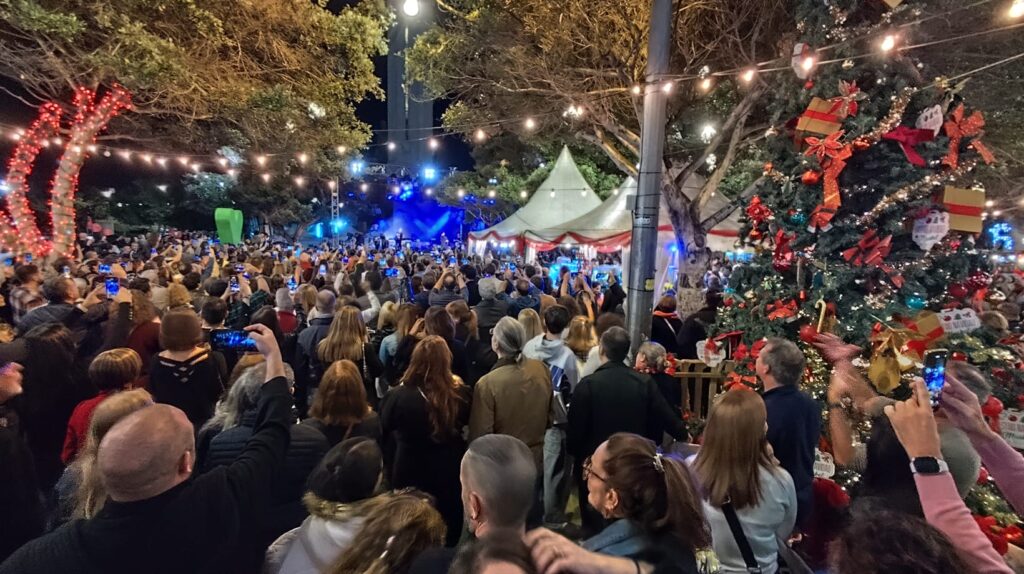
(916, 190)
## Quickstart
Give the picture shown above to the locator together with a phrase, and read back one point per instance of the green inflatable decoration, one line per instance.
(229, 224)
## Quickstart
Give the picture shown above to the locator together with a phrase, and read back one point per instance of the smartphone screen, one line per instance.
(935, 373)
(235, 287)
(292, 285)
(344, 260)
(104, 268)
(228, 340)
(323, 270)
(28, 258)
(113, 287)
(239, 268)
(451, 261)
(66, 272)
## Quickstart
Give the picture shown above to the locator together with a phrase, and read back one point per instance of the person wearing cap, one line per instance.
(342, 490)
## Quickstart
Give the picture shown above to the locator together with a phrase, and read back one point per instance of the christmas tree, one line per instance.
(870, 225)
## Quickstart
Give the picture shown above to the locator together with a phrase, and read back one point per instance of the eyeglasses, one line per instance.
(588, 471)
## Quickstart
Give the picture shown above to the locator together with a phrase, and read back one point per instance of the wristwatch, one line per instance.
(928, 465)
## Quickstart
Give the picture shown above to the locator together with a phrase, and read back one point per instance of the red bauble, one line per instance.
(808, 333)
(957, 290)
(809, 85)
(742, 305)
(982, 475)
(810, 177)
(728, 302)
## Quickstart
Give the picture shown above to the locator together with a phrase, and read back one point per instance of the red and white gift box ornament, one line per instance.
(959, 320)
(930, 229)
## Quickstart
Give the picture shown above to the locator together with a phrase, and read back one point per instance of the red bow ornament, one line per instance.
(782, 256)
(871, 251)
(737, 382)
(957, 128)
(780, 310)
(832, 155)
(909, 137)
(845, 105)
(757, 211)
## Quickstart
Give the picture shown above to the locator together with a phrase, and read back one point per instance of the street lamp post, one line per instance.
(411, 8)
(640, 299)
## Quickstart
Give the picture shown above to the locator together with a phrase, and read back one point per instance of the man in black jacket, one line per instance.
(615, 399)
(158, 517)
(307, 364)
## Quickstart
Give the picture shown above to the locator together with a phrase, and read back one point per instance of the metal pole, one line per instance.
(640, 294)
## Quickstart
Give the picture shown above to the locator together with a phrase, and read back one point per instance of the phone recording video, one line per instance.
(323, 270)
(391, 272)
(935, 373)
(104, 268)
(113, 287)
(229, 340)
(234, 286)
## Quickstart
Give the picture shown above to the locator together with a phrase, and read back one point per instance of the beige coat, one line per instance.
(514, 399)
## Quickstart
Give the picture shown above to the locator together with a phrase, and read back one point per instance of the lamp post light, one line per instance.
(411, 8)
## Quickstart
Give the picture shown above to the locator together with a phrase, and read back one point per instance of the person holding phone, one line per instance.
(449, 287)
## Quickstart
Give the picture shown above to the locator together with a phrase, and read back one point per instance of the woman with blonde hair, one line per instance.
(427, 413)
(580, 338)
(347, 339)
(305, 304)
(739, 476)
(80, 490)
(386, 324)
(405, 317)
(178, 297)
(340, 410)
(393, 535)
(531, 322)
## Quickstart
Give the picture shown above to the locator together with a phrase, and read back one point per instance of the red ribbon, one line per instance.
(737, 382)
(871, 251)
(832, 155)
(909, 137)
(957, 128)
(845, 105)
(969, 210)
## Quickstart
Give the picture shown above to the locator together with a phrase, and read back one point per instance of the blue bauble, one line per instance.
(799, 218)
(915, 302)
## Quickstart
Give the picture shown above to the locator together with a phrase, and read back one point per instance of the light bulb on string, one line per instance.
(91, 147)
(232, 172)
(637, 90)
(990, 203)
(461, 192)
(392, 146)
(523, 194)
(265, 177)
(183, 160)
(125, 154)
(162, 161)
(364, 187)
(1016, 9)
(706, 84)
(223, 161)
(492, 193)
(480, 135)
(808, 63)
(261, 160)
(530, 123)
(196, 167)
(300, 181)
(147, 157)
(303, 157)
(429, 191)
(888, 43)
(667, 87)
(432, 143)
(342, 149)
(748, 75)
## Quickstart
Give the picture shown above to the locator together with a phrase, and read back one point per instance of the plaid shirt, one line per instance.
(240, 311)
(22, 301)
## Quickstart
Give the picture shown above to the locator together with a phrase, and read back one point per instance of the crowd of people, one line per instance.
(170, 404)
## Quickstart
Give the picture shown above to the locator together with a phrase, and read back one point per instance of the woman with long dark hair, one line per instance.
(439, 323)
(427, 413)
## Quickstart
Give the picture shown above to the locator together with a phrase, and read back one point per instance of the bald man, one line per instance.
(157, 517)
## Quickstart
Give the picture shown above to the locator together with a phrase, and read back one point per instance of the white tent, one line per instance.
(563, 196)
(608, 227)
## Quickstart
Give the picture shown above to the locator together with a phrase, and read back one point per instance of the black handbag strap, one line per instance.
(741, 539)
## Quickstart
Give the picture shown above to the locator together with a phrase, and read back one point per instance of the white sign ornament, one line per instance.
(930, 229)
(710, 359)
(1011, 425)
(824, 465)
(959, 320)
(930, 119)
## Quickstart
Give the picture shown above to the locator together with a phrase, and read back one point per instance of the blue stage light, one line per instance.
(429, 173)
(357, 166)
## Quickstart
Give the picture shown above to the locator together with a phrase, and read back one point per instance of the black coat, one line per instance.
(421, 461)
(368, 427)
(305, 449)
(21, 508)
(618, 399)
(192, 385)
(197, 526)
(694, 329)
(665, 328)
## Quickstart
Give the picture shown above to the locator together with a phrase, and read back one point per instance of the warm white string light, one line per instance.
(1016, 9)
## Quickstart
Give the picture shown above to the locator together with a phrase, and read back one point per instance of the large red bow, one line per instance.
(845, 104)
(737, 382)
(871, 251)
(832, 155)
(909, 137)
(957, 128)
(757, 211)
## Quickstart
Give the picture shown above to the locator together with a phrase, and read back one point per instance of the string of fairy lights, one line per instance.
(886, 43)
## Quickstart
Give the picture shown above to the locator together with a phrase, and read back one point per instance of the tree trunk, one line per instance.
(690, 234)
(90, 119)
